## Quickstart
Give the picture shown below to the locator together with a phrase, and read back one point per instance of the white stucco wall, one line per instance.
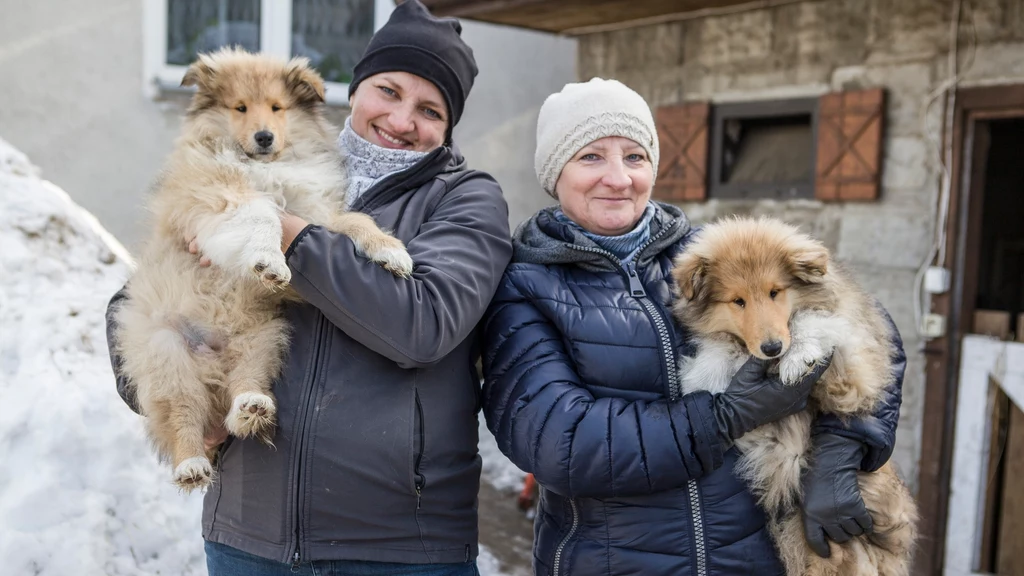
(70, 98)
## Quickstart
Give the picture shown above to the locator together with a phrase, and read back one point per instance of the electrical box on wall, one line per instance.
(936, 280)
(933, 326)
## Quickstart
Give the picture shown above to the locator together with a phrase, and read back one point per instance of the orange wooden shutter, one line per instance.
(683, 140)
(849, 163)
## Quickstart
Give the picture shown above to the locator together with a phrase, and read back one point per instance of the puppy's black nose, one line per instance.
(264, 138)
(772, 348)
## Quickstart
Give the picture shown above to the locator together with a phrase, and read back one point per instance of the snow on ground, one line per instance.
(498, 470)
(80, 490)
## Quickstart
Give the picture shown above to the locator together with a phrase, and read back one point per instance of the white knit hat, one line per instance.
(584, 112)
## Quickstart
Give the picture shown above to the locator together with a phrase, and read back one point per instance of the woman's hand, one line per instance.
(833, 507)
(754, 398)
(291, 225)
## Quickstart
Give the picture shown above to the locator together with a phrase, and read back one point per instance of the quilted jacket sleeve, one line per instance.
(877, 431)
(577, 445)
(124, 388)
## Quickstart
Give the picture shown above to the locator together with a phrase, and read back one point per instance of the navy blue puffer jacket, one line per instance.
(579, 364)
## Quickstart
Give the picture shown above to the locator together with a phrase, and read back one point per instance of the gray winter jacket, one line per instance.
(376, 447)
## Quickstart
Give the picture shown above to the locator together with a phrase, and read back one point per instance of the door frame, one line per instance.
(942, 355)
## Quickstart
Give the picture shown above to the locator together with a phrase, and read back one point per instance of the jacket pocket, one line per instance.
(419, 481)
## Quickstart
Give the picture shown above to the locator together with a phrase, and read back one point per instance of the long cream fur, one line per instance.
(744, 282)
(203, 345)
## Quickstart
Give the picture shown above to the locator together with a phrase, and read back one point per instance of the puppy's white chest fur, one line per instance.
(286, 180)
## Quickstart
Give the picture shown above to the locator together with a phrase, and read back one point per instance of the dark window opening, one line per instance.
(763, 150)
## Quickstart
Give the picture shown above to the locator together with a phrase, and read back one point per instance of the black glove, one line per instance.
(833, 506)
(754, 398)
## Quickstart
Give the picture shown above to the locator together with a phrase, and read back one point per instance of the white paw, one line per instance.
(192, 473)
(799, 360)
(251, 414)
(395, 260)
(270, 268)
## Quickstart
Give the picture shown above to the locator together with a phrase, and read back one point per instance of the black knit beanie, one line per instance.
(415, 41)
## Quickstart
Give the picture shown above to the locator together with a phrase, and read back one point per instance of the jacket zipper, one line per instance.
(636, 290)
(304, 416)
(698, 528)
(420, 480)
(572, 531)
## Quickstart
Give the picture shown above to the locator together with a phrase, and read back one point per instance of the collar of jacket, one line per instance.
(544, 240)
(388, 189)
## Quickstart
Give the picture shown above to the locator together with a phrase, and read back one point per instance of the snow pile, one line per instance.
(498, 470)
(80, 490)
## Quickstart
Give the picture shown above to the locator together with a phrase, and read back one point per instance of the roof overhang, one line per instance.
(574, 17)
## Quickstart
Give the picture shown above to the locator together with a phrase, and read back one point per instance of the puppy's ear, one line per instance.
(689, 272)
(200, 73)
(303, 82)
(809, 262)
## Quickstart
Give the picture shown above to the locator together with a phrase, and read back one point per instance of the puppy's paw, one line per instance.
(252, 414)
(392, 255)
(799, 360)
(192, 473)
(270, 268)
(395, 260)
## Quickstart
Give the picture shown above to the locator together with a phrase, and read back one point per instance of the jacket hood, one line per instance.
(544, 240)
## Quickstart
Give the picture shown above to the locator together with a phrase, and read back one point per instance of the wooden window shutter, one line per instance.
(849, 163)
(683, 142)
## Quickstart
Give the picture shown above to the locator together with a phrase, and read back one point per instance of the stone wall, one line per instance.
(813, 47)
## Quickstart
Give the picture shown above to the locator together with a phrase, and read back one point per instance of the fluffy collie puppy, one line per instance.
(760, 287)
(203, 345)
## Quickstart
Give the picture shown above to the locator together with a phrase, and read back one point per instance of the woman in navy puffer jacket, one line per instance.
(580, 356)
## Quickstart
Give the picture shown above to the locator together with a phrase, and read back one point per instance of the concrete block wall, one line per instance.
(813, 47)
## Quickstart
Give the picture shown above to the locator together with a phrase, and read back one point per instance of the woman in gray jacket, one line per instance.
(376, 469)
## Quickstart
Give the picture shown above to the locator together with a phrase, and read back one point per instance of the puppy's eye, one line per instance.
(773, 294)
(241, 108)
(275, 108)
(739, 302)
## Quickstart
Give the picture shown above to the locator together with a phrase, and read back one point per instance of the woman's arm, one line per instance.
(833, 506)
(124, 388)
(548, 424)
(576, 445)
(877, 431)
(459, 255)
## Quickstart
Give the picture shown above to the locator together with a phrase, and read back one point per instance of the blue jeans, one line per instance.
(224, 560)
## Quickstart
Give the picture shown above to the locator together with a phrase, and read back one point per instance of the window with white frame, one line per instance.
(332, 33)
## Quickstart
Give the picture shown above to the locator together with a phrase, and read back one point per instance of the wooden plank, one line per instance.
(1011, 525)
(985, 363)
(998, 420)
(971, 445)
(992, 323)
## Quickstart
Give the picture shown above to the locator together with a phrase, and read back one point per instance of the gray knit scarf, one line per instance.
(624, 246)
(366, 163)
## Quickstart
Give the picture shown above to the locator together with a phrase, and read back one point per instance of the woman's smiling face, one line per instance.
(606, 185)
(399, 110)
